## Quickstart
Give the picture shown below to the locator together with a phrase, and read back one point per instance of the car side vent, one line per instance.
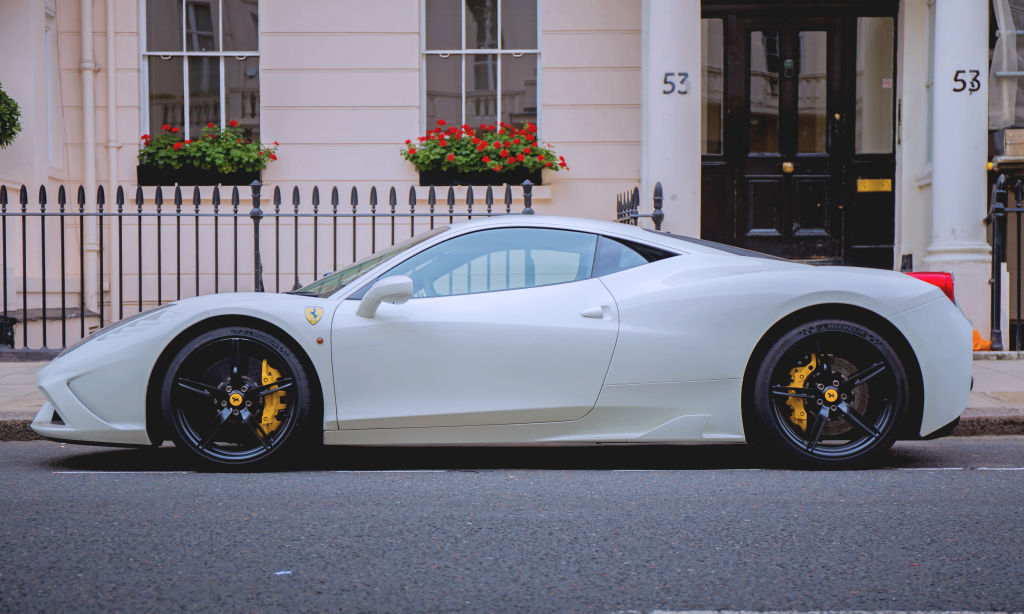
(56, 419)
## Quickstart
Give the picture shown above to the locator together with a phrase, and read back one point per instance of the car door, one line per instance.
(506, 326)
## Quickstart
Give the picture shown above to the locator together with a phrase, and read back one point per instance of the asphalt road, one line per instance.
(939, 527)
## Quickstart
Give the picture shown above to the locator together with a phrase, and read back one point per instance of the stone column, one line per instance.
(670, 149)
(959, 153)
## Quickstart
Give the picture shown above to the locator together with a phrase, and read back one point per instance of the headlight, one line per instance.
(142, 315)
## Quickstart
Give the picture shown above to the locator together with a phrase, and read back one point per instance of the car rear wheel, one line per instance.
(236, 396)
(830, 393)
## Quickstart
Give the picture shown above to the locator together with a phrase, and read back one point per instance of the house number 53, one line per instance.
(676, 82)
(966, 81)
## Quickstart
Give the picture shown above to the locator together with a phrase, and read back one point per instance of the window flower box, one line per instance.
(489, 155)
(219, 156)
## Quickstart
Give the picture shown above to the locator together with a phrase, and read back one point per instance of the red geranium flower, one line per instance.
(547, 165)
(276, 143)
(486, 159)
(407, 141)
(540, 158)
(520, 157)
(188, 141)
(165, 127)
(503, 153)
(441, 122)
(233, 124)
(516, 141)
(146, 137)
(174, 129)
(481, 146)
(443, 143)
(209, 124)
(412, 151)
(273, 157)
(177, 146)
(451, 157)
(261, 153)
(497, 144)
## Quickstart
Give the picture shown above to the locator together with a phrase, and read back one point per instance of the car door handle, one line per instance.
(594, 312)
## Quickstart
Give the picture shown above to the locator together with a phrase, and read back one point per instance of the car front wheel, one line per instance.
(236, 396)
(830, 393)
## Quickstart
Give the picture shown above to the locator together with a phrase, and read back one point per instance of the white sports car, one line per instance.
(530, 329)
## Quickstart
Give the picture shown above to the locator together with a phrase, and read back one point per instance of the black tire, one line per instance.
(238, 396)
(851, 385)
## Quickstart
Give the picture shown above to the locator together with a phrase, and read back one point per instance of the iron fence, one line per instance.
(627, 207)
(140, 253)
(1007, 245)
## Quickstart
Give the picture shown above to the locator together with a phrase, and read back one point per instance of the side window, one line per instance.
(500, 259)
(614, 255)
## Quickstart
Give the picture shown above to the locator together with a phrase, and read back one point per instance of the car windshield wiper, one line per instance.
(302, 293)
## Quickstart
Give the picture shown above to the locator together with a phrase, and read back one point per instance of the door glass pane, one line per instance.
(241, 25)
(166, 94)
(875, 85)
(203, 93)
(481, 24)
(242, 82)
(444, 89)
(712, 54)
(518, 89)
(444, 24)
(812, 92)
(764, 91)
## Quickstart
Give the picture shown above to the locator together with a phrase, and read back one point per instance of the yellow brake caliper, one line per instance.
(798, 376)
(272, 403)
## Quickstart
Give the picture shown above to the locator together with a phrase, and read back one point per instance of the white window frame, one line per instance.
(166, 55)
(464, 51)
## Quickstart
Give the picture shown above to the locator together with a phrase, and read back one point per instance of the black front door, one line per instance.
(781, 148)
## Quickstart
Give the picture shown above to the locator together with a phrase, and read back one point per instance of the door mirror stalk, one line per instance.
(395, 290)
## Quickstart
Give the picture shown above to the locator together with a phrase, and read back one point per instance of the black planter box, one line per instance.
(444, 178)
(190, 175)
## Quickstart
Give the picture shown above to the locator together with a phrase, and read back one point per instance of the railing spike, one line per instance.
(508, 198)
(393, 199)
(353, 198)
(81, 198)
(658, 215)
(412, 198)
(277, 198)
(334, 199)
(3, 196)
(42, 195)
(119, 196)
(216, 197)
(431, 198)
(234, 198)
(177, 198)
(489, 199)
(295, 196)
(527, 197)
(315, 198)
(158, 196)
(101, 196)
(469, 196)
(23, 197)
(62, 197)
(138, 197)
(373, 199)
(451, 198)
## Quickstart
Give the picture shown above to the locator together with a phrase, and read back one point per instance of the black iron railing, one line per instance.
(1007, 243)
(627, 207)
(147, 252)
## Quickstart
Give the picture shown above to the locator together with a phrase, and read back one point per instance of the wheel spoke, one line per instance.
(247, 417)
(197, 387)
(855, 419)
(789, 391)
(863, 376)
(222, 417)
(236, 362)
(819, 426)
(283, 383)
(822, 365)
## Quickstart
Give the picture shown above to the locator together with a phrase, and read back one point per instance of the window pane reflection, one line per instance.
(518, 25)
(242, 95)
(444, 24)
(712, 75)
(481, 24)
(204, 93)
(875, 85)
(812, 92)
(444, 90)
(163, 25)
(201, 23)
(241, 25)
(764, 91)
(518, 89)
(166, 93)
(481, 88)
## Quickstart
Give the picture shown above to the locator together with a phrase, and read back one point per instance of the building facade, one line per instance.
(833, 131)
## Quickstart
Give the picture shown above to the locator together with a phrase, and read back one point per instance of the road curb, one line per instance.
(19, 430)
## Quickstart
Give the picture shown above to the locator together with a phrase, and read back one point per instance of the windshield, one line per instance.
(333, 282)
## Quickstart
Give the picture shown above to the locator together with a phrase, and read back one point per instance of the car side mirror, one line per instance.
(395, 290)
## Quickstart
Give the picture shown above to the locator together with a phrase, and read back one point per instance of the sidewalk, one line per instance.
(996, 405)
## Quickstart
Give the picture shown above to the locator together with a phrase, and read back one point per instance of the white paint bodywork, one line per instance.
(656, 353)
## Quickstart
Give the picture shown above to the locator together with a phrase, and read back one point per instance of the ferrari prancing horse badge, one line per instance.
(313, 314)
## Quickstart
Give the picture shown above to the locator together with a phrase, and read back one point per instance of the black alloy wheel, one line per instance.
(237, 396)
(830, 393)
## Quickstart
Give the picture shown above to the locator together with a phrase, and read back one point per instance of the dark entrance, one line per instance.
(798, 129)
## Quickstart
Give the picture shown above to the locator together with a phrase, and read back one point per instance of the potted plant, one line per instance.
(10, 115)
(488, 155)
(223, 156)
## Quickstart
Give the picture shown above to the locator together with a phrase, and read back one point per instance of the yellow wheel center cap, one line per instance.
(235, 399)
(830, 395)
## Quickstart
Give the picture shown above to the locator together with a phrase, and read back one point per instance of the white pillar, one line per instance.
(88, 68)
(670, 151)
(959, 153)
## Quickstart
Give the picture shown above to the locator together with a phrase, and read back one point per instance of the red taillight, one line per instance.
(943, 281)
